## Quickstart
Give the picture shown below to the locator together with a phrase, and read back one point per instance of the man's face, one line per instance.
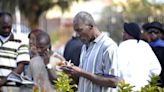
(43, 49)
(146, 36)
(5, 25)
(83, 31)
(154, 34)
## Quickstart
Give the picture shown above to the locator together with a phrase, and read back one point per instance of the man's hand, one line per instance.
(98, 79)
(46, 55)
(73, 70)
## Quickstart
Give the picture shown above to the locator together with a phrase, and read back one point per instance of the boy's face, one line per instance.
(5, 25)
(42, 49)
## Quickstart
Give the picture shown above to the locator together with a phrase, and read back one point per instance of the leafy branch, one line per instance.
(62, 84)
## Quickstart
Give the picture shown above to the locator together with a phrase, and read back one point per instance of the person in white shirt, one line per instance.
(136, 60)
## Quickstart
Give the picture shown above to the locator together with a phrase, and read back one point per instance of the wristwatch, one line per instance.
(49, 66)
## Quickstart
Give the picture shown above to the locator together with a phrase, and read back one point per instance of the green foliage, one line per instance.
(33, 9)
(123, 87)
(7, 5)
(139, 10)
(120, 11)
(36, 7)
(54, 37)
(154, 80)
(62, 84)
(151, 87)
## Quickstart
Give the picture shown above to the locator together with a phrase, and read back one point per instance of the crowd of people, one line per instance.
(97, 62)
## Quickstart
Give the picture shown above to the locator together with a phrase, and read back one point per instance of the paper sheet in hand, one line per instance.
(18, 78)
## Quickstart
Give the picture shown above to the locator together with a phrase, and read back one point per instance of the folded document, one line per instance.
(19, 79)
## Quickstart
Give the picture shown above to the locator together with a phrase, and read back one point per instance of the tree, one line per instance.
(120, 11)
(33, 9)
(7, 5)
(140, 10)
(111, 21)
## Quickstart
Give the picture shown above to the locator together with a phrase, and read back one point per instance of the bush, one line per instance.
(152, 86)
(62, 84)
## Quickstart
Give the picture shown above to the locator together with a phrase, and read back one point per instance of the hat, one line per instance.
(156, 25)
(132, 29)
(145, 26)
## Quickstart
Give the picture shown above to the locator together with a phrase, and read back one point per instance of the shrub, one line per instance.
(62, 84)
(152, 86)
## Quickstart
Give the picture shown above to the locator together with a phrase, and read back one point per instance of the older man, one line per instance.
(98, 61)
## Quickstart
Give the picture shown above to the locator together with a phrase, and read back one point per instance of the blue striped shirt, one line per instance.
(99, 58)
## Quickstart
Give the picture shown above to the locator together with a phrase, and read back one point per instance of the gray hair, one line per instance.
(85, 18)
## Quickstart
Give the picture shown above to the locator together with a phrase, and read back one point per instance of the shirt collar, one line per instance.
(99, 38)
(4, 39)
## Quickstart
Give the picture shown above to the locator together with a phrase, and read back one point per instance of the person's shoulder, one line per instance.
(128, 43)
(15, 43)
(123, 44)
(16, 40)
(144, 44)
(37, 57)
(110, 42)
(13, 39)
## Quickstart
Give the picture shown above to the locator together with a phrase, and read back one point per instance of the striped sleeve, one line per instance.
(23, 53)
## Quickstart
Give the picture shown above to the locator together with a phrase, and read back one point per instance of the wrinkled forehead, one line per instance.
(78, 23)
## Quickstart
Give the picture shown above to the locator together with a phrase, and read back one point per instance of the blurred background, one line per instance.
(55, 16)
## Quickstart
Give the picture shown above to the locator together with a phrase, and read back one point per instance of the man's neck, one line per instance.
(95, 34)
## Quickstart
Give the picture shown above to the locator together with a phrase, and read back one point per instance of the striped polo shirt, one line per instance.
(99, 58)
(11, 53)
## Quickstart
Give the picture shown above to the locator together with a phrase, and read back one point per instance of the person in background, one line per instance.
(32, 46)
(32, 41)
(42, 67)
(155, 31)
(136, 60)
(162, 35)
(98, 60)
(39, 42)
(145, 35)
(13, 53)
(72, 50)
